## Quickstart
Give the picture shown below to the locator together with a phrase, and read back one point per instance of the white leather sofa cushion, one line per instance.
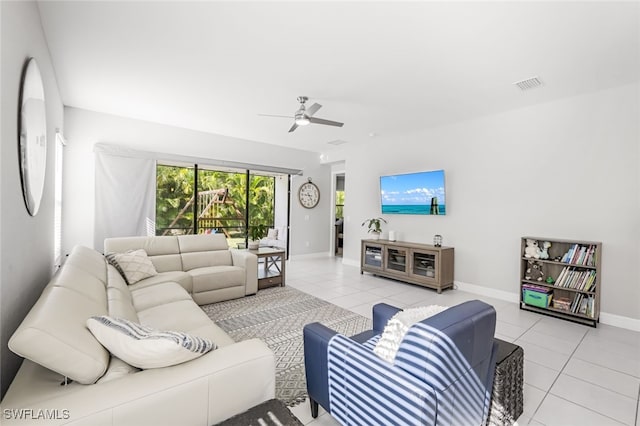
(199, 251)
(90, 261)
(180, 277)
(177, 316)
(54, 335)
(120, 303)
(163, 251)
(214, 278)
(81, 282)
(159, 294)
(209, 242)
(203, 259)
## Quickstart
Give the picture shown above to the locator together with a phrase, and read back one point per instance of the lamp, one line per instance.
(302, 119)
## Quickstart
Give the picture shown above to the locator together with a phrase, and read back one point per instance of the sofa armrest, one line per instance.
(207, 390)
(249, 262)
(382, 313)
(316, 338)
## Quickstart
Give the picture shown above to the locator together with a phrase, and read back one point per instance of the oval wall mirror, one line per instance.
(33, 137)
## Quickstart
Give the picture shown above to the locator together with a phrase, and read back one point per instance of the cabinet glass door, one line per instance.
(396, 260)
(425, 265)
(373, 256)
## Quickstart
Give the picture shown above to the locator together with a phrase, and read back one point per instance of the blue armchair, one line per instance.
(442, 373)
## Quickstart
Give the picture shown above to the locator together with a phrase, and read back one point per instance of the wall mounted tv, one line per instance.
(413, 193)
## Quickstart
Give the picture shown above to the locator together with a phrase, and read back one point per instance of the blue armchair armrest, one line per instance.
(382, 313)
(316, 339)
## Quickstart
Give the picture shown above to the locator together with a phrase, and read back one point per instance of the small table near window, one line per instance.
(271, 266)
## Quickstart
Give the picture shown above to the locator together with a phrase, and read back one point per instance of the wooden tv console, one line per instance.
(421, 264)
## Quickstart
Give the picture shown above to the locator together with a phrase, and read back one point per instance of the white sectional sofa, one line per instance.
(103, 390)
(202, 264)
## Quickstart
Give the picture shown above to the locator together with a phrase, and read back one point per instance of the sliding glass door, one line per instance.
(196, 200)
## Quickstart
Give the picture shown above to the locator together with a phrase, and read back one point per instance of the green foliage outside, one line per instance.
(339, 204)
(175, 188)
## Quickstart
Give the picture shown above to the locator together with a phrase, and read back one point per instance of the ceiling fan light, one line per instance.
(302, 120)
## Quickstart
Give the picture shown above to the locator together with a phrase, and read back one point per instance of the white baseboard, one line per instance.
(486, 291)
(620, 321)
(605, 318)
(350, 262)
(309, 255)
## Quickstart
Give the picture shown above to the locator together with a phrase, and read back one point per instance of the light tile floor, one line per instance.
(574, 374)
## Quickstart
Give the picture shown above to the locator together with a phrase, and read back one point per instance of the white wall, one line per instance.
(26, 246)
(565, 169)
(83, 129)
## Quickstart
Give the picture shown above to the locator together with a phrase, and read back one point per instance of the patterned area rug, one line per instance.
(276, 315)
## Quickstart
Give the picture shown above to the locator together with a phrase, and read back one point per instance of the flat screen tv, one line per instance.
(413, 193)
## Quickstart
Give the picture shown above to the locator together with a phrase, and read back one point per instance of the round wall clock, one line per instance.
(309, 194)
(33, 137)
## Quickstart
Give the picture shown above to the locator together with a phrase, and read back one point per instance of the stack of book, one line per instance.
(581, 255)
(577, 279)
(562, 303)
(583, 304)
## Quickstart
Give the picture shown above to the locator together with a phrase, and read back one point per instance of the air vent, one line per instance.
(337, 142)
(529, 83)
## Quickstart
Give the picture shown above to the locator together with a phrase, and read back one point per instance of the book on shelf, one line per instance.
(538, 288)
(583, 304)
(580, 255)
(570, 277)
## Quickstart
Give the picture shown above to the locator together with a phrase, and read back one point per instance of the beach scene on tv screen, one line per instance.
(413, 193)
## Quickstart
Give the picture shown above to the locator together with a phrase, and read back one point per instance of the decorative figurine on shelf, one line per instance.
(550, 280)
(532, 249)
(534, 271)
(437, 240)
(544, 252)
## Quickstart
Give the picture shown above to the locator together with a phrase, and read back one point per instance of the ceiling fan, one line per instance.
(304, 116)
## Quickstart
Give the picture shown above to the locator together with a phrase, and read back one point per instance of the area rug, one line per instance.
(276, 315)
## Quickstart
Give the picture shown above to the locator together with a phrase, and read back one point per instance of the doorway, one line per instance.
(339, 198)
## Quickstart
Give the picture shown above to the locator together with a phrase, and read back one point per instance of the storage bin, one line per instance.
(536, 298)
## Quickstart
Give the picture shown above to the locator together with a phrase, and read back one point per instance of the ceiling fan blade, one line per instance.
(273, 115)
(323, 121)
(313, 109)
(295, 126)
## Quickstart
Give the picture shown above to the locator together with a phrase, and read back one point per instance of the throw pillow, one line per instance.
(144, 347)
(135, 265)
(272, 234)
(111, 258)
(397, 327)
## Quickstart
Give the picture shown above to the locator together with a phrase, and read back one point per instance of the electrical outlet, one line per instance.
(306, 243)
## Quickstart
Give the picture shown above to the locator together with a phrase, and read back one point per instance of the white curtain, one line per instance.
(125, 194)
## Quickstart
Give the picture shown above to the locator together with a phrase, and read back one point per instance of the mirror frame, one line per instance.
(32, 140)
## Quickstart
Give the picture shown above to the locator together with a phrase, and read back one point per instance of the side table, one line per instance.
(271, 266)
(507, 400)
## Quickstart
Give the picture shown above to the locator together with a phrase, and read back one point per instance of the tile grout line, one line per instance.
(557, 377)
(588, 409)
(637, 405)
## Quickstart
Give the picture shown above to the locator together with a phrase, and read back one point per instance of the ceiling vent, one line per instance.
(529, 83)
(337, 142)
